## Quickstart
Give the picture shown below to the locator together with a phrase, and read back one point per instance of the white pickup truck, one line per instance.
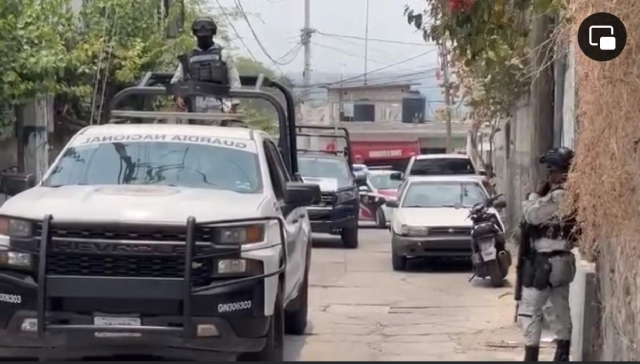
(180, 241)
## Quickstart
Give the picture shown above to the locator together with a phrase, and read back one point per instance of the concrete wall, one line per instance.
(517, 180)
(584, 311)
(569, 123)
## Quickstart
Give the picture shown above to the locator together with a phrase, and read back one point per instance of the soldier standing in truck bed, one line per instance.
(209, 62)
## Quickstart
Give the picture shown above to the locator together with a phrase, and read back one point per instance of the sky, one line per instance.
(277, 24)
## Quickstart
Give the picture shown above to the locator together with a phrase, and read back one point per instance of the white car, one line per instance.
(444, 165)
(122, 200)
(431, 218)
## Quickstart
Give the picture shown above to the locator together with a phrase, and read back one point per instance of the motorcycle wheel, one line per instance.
(495, 273)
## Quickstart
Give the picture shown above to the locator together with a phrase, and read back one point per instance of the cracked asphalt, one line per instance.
(360, 309)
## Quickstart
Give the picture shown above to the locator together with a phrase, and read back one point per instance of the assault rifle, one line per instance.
(524, 245)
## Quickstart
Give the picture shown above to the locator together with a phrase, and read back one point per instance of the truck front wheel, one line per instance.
(350, 237)
(274, 347)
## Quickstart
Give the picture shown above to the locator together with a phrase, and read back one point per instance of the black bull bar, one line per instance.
(171, 288)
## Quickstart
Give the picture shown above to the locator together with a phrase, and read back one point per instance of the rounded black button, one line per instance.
(602, 37)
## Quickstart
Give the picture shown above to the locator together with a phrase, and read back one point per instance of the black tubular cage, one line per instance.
(159, 84)
(61, 286)
(345, 136)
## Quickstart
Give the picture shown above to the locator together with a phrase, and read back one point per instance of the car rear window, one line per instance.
(442, 167)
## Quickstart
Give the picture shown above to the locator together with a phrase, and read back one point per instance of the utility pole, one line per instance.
(447, 92)
(306, 42)
(366, 44)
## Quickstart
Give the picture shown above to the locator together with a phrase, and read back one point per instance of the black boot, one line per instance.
(563, 348)
(531, 353)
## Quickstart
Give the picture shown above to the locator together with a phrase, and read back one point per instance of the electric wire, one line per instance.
(235, 30)
(375, 70)
(255, 36)
(374, 39)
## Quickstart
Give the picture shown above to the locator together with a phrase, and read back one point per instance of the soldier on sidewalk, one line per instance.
(549, 266)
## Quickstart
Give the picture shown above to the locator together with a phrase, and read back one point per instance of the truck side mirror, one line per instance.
(302, 194)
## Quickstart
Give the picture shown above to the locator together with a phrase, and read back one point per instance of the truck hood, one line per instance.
(156, 204)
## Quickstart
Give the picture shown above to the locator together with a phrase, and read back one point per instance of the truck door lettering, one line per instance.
(235, 306)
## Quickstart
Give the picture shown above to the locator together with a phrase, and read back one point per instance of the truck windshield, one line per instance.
(334, 168)
(158, 163)
(443, 194)
(442, 167)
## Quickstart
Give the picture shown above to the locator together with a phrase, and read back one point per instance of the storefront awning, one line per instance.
(366, 151)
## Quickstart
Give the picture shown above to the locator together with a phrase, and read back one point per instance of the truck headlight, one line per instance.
(237, 235)
(15, 259)
(15, 228)
(348, 195)
(414, 230)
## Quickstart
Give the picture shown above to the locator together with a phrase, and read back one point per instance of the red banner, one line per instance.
(365, 151)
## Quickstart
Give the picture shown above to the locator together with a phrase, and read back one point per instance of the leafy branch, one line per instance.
(489, 47)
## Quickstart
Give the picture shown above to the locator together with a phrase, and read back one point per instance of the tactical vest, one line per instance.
(566, 229)
(208, 66)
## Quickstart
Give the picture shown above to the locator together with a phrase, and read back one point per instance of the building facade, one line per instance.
(385, 99)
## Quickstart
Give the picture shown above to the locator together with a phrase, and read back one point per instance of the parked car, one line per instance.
(444, 165)
(380, 187)
(431, 218)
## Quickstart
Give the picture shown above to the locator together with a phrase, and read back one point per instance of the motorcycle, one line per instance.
(490, 257)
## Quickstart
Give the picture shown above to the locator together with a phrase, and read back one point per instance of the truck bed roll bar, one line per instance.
(345, 135)
(159, 84)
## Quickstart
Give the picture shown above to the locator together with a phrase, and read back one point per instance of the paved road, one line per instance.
(360, 309)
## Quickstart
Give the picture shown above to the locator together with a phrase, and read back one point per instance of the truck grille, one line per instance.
(125, 232)
(165, 264)
(328, 198)
(66, 264)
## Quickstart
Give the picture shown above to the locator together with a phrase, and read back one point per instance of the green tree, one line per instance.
(34, 43)
(117, 41)
(258, 113)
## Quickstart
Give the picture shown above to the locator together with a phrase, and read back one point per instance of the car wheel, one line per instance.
(350, 237)
(399, 262)
(295, 320)
(274, 347)
(381, 221)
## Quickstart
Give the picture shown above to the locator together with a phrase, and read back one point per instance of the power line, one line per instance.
(235, 30)
(377, 69)
(373, 39)
(380, 52)
(345, 52)
(296, 49)
(264, 50)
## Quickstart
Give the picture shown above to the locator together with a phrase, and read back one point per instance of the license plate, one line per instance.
(488, 251)
(117, 321)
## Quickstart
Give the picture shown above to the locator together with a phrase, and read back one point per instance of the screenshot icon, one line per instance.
(602, 37)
